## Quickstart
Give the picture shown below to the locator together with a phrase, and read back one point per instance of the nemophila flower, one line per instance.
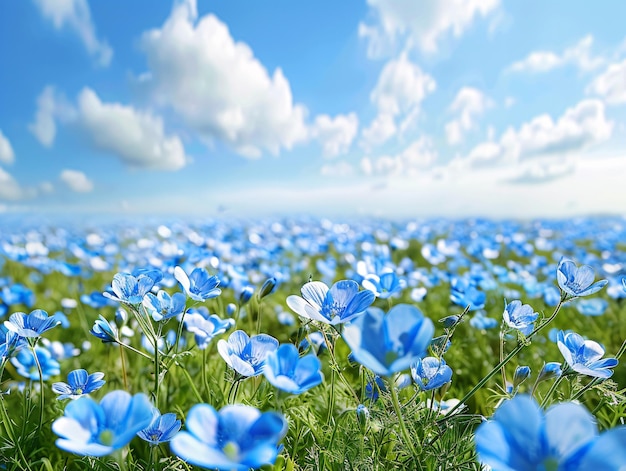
(521, 437)
(463, 293)
(92, 429)
(374, 387)
(96, 300)
(104, 330)
(585, 356)
(238, 437)
(430, 373)
(245, 295)
(267, 288)
(162, 428)
(199, 285)
(17, 294)
(206, 329)
(154, 274)
(482, 322)
(386, 285)
(521, 374)
(362, 415)
(339, 304)
(389, 343)
(163, 306)
(26, 365)
(246, 355)
(315, 340)
(577, 281)
(549, 371)
(592, 307)
(79, 383)
(30, 325)
(285, 369)
(129, 289)
(519, 316)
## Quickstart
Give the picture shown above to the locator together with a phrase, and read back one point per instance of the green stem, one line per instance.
(552, 389)
(502, 363)
(193, 386)
(396, 406)
(503, 368)
(258, 319)
(124, 375)
(41, 389)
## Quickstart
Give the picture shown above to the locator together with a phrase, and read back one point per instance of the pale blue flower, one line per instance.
(238, 437)
(430, 373)
(199, 285)
(162, 428)
(389, 343)
(79, 383)
(519, 317)
(163, 306)
(246, 355)
(577, 281)
(287, 371)
(31, 325)
(585, 356)
(520, 437)
(337, 305)
(24, 362)
(129, 289)
(92, 429)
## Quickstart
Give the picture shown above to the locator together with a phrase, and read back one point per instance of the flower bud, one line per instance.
(549, 371)
(245, 295)
(267, 287)
(362, 415)
(231, 309)
(521, 374)
(449, 321)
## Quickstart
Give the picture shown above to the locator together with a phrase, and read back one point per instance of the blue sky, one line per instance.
(373, 107)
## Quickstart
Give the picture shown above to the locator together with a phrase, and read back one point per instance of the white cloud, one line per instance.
(76, 181)
(543, 172)
(578, 55)
(44, 127)
(578, 128)
(339, 169)
(422, 23)
(75, 15)
(46, 187)
(11, 190)
(218, 86)
(7, 155)
(137, 137)
(399, 92)
(611, 84)
(469, 104)
(415, 158)
(335, 134)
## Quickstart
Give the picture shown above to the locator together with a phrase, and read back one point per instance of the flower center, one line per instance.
(106, 437)
(231, 450)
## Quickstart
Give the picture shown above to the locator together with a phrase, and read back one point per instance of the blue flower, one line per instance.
(206, 329)
(104, 330)
(521, 374)
(374, 387)
(199, 285)
(9, 343)
(577, 281)
(592, 307)
(386, 285)
(520, 317)
(129, 289)
(246, 355)
(584, 356)
(287, 371)
(30, 325)
(521, 438)
(92, 429)
(341, 303)
(389, 343)
(162, 428)
(463, 293)
(237, 437)
(548, 371)
(26, 365)
(163, 306)
(430, 373)
(79, 382)
(480, 321)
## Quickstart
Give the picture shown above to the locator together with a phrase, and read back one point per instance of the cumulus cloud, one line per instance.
(424, 24)
(7, 155)
(339, 169)
(138, 138)
(543, 172)
(611, 84)
(578, 55)
(218, 86)
(415, 158)
(468, 105)
(76, 181)
(398, 94)
(76, 16)
(335, 134)
(576, 129)
(11, 190)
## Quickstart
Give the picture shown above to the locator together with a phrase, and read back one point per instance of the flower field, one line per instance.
(306, 344)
